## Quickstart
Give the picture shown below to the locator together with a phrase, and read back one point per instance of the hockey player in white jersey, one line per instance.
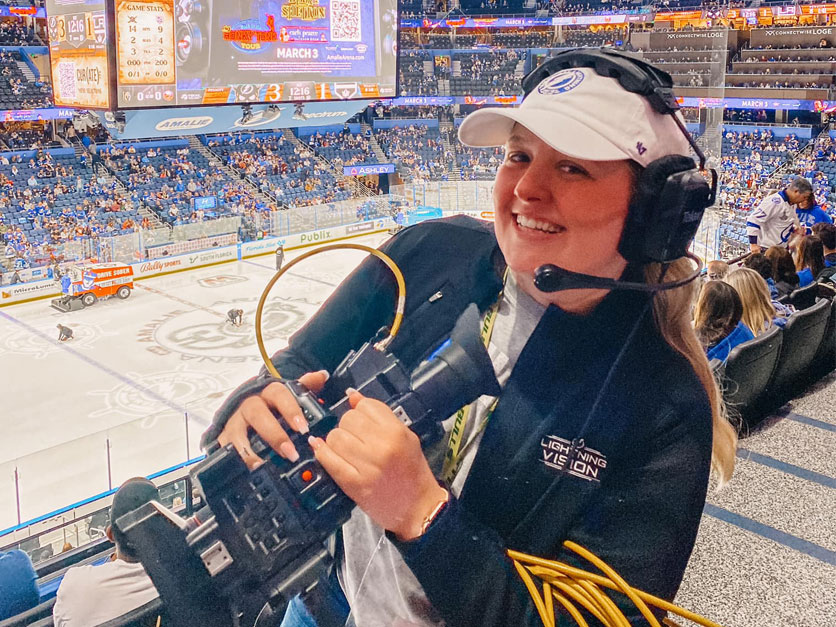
(774, 220)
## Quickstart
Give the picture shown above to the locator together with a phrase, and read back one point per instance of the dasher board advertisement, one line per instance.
(213, 52)
(78, 55)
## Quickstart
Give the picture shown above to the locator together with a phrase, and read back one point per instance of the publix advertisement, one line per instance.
(47, 288)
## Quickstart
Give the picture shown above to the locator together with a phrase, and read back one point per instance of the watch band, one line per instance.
(430, 518)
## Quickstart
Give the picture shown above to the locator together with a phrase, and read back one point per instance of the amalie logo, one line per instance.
(176, 124)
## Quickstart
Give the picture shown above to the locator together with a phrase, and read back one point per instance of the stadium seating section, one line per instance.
(287, 171)
(14, 32)
(16, 90)
(47, 201)
(487, 74)
(168, 180)
(418, 149)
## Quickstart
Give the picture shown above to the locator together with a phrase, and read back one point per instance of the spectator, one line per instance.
(809, 213)
(827, 235)
(809, 261)
(760, 264)
(774, 220)
(783, 270)
(18, 587)
(759, 314)
(717, 270)
(717, 320)
(92, 595)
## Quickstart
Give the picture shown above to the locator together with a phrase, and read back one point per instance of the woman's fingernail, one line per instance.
(301, 424)
(325, 374)
(288, 451)
(349, 391)
(316, 443)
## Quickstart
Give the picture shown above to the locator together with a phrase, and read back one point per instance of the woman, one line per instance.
(717, 320)
(759, 313)
(574, 368)
(809, 260)
(783, 270)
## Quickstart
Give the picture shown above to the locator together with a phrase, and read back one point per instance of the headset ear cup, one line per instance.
(644, 224)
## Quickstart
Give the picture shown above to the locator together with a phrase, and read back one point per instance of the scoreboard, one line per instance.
(145, 43)
(78, 53)
(131, 54)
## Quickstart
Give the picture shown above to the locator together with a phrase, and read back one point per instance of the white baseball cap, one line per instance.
(583, 115)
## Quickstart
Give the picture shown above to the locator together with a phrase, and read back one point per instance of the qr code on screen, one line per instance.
(66, 80)
(345, 20)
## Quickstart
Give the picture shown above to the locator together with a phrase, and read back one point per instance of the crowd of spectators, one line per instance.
(413, 80)
(758, 116)
(399, 112)
(46, 202)
(15, 32)
(491, 7)
(169, 179)
(419, 149)
(478, 163)
(580, 7)
(342, 149)
(290, 173)
(748, 160)
(16, 92)
(16, 137)
(486, 74)
(736, 306)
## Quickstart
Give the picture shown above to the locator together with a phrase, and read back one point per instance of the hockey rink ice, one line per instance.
(141, 376)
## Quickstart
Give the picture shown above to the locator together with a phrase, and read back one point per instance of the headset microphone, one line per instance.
(551, 278)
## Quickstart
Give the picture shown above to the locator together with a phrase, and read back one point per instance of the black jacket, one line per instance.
(639, 511)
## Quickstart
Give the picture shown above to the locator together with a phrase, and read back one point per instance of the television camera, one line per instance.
(264, 533)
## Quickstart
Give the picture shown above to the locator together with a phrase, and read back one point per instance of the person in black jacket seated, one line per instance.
(615, 378)
(827, 235)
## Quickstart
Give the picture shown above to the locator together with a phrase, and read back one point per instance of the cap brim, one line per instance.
(493, 127)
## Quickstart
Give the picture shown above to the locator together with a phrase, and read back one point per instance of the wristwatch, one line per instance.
(430, 518)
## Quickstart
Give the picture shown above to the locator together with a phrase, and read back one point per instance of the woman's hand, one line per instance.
(256, 412)
(378, 463)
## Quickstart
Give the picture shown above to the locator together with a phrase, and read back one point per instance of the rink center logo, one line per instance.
(560, 83)
(205, 335)
(572, 458)
(222, 280)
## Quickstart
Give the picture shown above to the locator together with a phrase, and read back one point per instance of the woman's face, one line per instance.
(552, 208)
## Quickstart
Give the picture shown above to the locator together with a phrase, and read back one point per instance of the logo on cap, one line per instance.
(561, 82)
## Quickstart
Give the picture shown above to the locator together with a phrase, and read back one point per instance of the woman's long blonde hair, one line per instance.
(758, 310)
(672, 314)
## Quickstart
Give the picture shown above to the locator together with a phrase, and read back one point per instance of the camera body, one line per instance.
(263, 536)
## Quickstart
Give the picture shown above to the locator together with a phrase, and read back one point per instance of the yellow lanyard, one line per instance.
(455, 453)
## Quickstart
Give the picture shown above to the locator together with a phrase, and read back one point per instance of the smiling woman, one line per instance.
(595, 180)
(552, 208)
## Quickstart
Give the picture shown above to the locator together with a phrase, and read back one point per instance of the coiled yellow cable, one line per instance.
(569, 586)
(400, 305)
(560, 582)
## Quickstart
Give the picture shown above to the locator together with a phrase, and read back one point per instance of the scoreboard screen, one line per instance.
(78, 53)
(210, 52)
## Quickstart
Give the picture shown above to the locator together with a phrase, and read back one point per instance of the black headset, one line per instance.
(672, 193)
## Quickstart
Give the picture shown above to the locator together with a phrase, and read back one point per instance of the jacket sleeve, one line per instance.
(358, 308)
(643, 524)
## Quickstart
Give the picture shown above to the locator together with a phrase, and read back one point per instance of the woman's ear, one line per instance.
(109, 533)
